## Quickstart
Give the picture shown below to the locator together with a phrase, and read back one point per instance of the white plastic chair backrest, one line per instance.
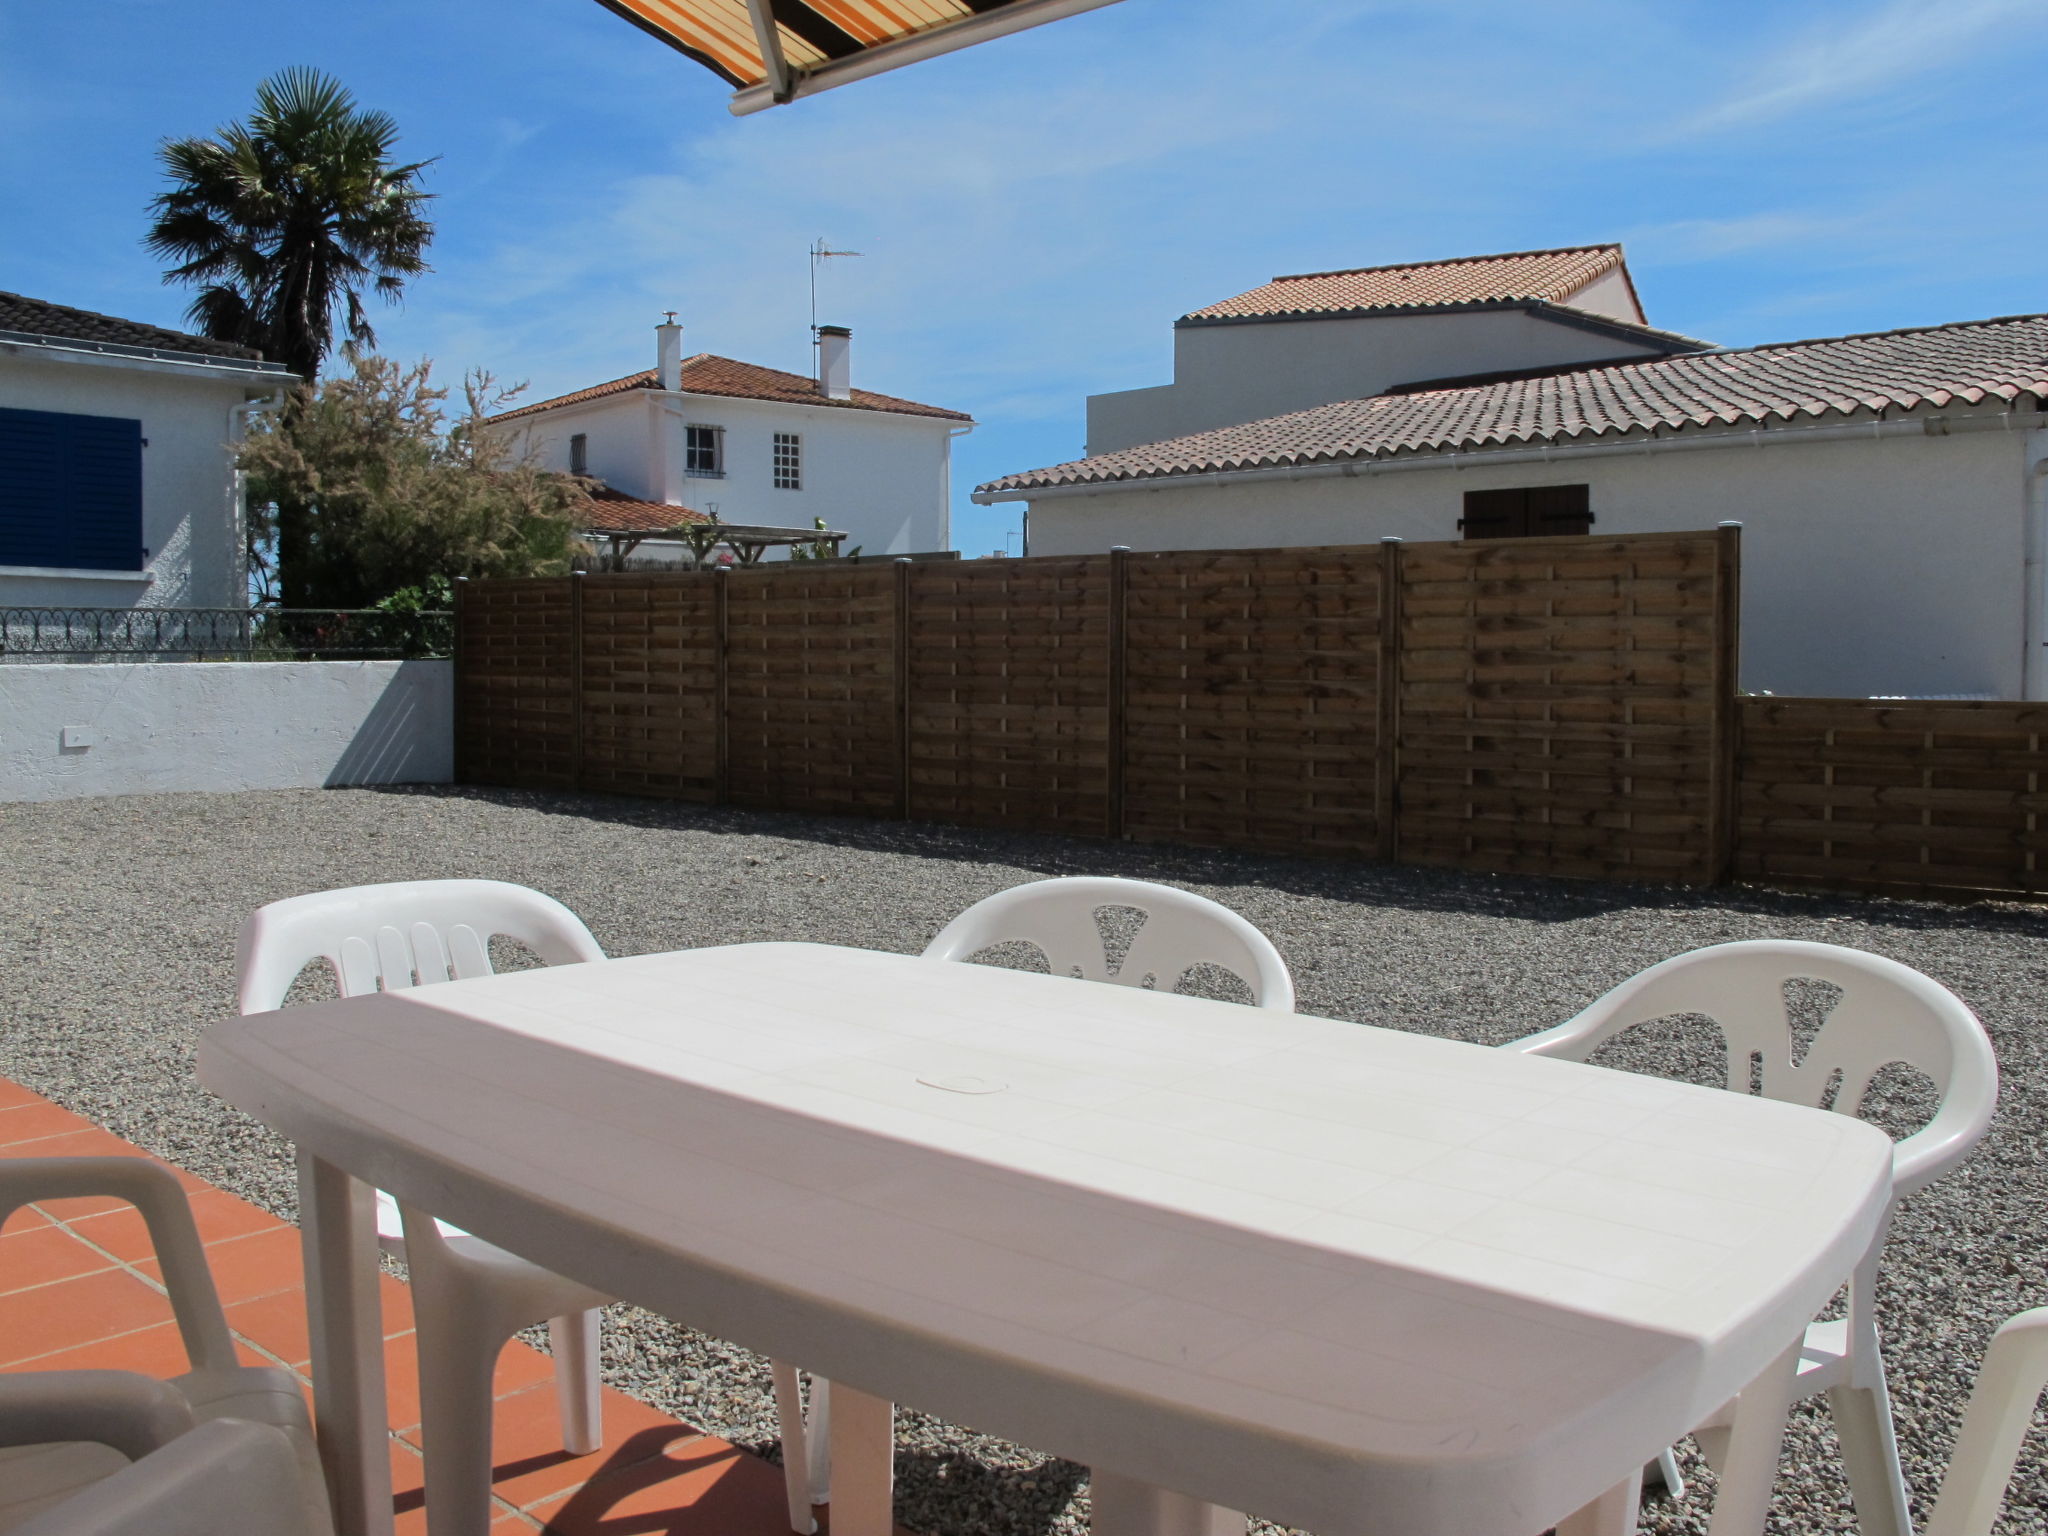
(1887, 1013)
(1995, 1425)
(408, 933)
(154, 1191)
(1181, 930)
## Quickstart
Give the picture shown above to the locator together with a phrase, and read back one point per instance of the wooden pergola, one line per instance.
(750, 541)
(622, 523)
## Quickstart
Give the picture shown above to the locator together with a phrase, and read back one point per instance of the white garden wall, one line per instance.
(67, 731)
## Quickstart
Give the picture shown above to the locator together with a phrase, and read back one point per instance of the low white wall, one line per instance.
(160, 727)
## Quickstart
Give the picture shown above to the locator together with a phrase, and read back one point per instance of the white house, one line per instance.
(117, 480)
(1893, 488)
(753, 445)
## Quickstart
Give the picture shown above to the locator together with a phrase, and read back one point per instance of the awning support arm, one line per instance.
(776, 67)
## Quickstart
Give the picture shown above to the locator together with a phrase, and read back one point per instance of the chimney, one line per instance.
(669, 339)
(834, 367)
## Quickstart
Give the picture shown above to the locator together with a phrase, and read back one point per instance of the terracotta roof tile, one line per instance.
(610, 511)
(1548, 275)
(1936, 366)
(708, 374)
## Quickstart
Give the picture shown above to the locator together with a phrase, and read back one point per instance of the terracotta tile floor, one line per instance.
(78, 1289)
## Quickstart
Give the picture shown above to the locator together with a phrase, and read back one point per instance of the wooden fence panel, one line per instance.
(1555, 706)
(811, 702)
(1930, 795)
(515, 683)
(649, 685)
(1008, 717)
(1558, 704)
(1251, 698)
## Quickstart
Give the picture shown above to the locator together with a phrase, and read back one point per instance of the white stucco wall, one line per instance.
(882, 477)
(191, 516)
(1893, 565)
(171, 726)
(1608, 294)
(1228, 374)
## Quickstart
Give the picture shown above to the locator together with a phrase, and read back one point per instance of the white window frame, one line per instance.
(716, 470)
(787, 463)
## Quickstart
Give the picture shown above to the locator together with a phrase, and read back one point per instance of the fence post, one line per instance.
(576, 678)
(721, 687)
(458, 675)
(1724, 763)
(1113, 766)
(902, 700)
(1386, 779)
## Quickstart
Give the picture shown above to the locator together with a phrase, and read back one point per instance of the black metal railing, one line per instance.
(221, 634)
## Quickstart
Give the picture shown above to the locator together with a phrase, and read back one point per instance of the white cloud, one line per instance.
(1846, 58)
(1694, 240)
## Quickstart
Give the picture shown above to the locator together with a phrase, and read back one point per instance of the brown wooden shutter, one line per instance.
(1495, 515)
(1560, 509)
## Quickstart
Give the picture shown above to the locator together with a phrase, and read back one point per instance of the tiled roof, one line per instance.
(1546, 275)
(610, 511)
(1937, 366)
(37, 317)
(706, 374)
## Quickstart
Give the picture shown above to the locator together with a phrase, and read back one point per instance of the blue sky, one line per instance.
(1035, 212)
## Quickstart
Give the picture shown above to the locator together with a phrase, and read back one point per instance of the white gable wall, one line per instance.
(619, 429)
(1226, 374)
(1892, 565)
(1608, 294)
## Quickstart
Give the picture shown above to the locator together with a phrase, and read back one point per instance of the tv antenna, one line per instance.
(820, 251)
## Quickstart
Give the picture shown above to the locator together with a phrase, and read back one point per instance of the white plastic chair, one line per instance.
(1181, 930)
(2001, 1412)
(469, 1296)
(224, 1447)
(1887, 1013)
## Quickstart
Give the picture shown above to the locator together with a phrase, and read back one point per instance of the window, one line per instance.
(70, 491)
(704, 452)
(788, 462)
(579, 455)
(1531, 512)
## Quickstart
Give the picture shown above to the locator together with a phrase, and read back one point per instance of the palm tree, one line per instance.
(290, 216)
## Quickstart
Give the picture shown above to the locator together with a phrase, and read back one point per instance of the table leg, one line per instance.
(1614, 1513)
(1756, 1439)
(1123, 1506)
(338, 1234)
(863, 1438)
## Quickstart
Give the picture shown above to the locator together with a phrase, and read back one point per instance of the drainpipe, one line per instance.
(238, 490)
(946, 484)
(2035, 460)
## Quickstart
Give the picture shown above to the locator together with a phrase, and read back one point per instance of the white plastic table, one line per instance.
(1361, 1281)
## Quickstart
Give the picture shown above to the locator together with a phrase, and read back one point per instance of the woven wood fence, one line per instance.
(1930, 796)
(1558, 706)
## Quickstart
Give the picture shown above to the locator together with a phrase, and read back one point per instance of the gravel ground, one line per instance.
(118, 921)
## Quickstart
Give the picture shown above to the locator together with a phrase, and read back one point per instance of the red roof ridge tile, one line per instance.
(733, 379)
(1502, 277)
(1452, 261)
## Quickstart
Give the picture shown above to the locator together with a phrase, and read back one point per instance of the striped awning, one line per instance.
(776, 50)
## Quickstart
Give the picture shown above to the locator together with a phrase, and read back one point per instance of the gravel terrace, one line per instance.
(117, 934)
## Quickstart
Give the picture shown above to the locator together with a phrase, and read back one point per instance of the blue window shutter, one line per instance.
(70, 490)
